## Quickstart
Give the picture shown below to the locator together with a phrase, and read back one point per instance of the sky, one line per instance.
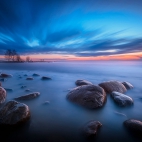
(72, 29)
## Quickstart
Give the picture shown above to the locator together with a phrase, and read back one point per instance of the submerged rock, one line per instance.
(121, 99)
(35, 74)
(8, 89)
(2, 95)
(83, 82)
(4, 75)
(2, 79)
(46, 102)
(29, 96)
(90, 96)
(27, 90)
(13, 113)
(128, 85)
(23, 86)
(46, 78)
(29, 78)
(134, 125)
(110, 86)
(91, 128)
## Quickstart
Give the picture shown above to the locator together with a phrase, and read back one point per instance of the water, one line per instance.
(61, 120)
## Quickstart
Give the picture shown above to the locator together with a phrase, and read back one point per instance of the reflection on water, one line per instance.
(61, 120)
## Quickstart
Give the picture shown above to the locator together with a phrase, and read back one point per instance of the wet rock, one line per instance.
(121, 99)
(134, 125)
(23, 86)
(29, 96)
(128, 85)
(13, 113)
(0, 84)
(4, 75)
(46, 78)
(25, 75)
(90, 96)
(91, 128)
(35, 74)
(2, 95)
(83, 82)
(29, 78)
(27, 90)
(2, 79)
(8, 89)
(110, 86)
(46, 103)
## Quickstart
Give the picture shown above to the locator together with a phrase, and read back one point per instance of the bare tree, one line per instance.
(8, 54)
(14, 54)
(18, 58)
(28, 59)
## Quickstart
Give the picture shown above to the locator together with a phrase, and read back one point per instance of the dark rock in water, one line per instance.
(2, 95)
(83, 82)
(8, 89)
(46, 78)
(46, 102)
(0, 84)
(91, 128)
(29, 78)
(127, 85)
(134, 125)
(35, 74)
(23, 86)
(20, 76)
(90, 96)
(27, 90)
(4, 75)
(25, 75)
(13, 113)
(2, 79)
(29, 96)
(110, 86)
(121, 99)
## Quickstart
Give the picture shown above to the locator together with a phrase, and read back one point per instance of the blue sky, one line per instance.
(85, 28)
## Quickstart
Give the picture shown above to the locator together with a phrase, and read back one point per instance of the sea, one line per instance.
(61, 120)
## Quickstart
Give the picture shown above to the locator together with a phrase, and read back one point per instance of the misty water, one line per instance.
(61, 120)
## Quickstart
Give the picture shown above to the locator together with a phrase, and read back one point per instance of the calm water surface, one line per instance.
(61, 120)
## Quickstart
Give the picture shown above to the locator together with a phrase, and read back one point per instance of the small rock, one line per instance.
(4, 75)
(25, 75)
(2, 95)
(27, 90)
(29, 96)
(35, 74)
(2, 79)
(23, 86)
(134, 125)
(91, 128)
(128, 85)
(121, 99)
(110, 86)
(29, 78)
(90, 96)
(45, 78)
(83, 82)
(0, 84)
(13, 113)
(46, 102)
(8, 89)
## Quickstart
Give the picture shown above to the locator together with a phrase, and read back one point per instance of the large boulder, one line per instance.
(90, 96)
(2, 95)
(110, 86)
(121, 99)
(4, 75)
(91, 128)
(83, 82)
(29, 96)
(134, 125)
(127, 85)
(13, 113)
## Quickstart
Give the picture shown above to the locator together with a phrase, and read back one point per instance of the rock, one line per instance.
(45, 78)
(35, 74)
(83, 82)
(46, 102)
(0, 84)
(29, 96)
(91, 128)
(90, 96)
(2, 79)
(8, 89)
(29, 78)
(23, 86)
(4, 75)
(128, 85)
(134, 125)
(27, 90)
(110, 86)
(2, 95)
(25, 75)
(13, 113)
(121, 99)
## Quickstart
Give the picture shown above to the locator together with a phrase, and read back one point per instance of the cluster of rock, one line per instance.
(94, 96)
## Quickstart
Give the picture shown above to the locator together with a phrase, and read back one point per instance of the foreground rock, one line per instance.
(46, 78)
(4, 75)
(134, 125)
(29, 78)
(29, 96)
(2, 95)
(90, 96)
(83, 82)
(121, 99)
(13, 113)
(110, 86)
(128, 85)
(35, 74)
(91, 128)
